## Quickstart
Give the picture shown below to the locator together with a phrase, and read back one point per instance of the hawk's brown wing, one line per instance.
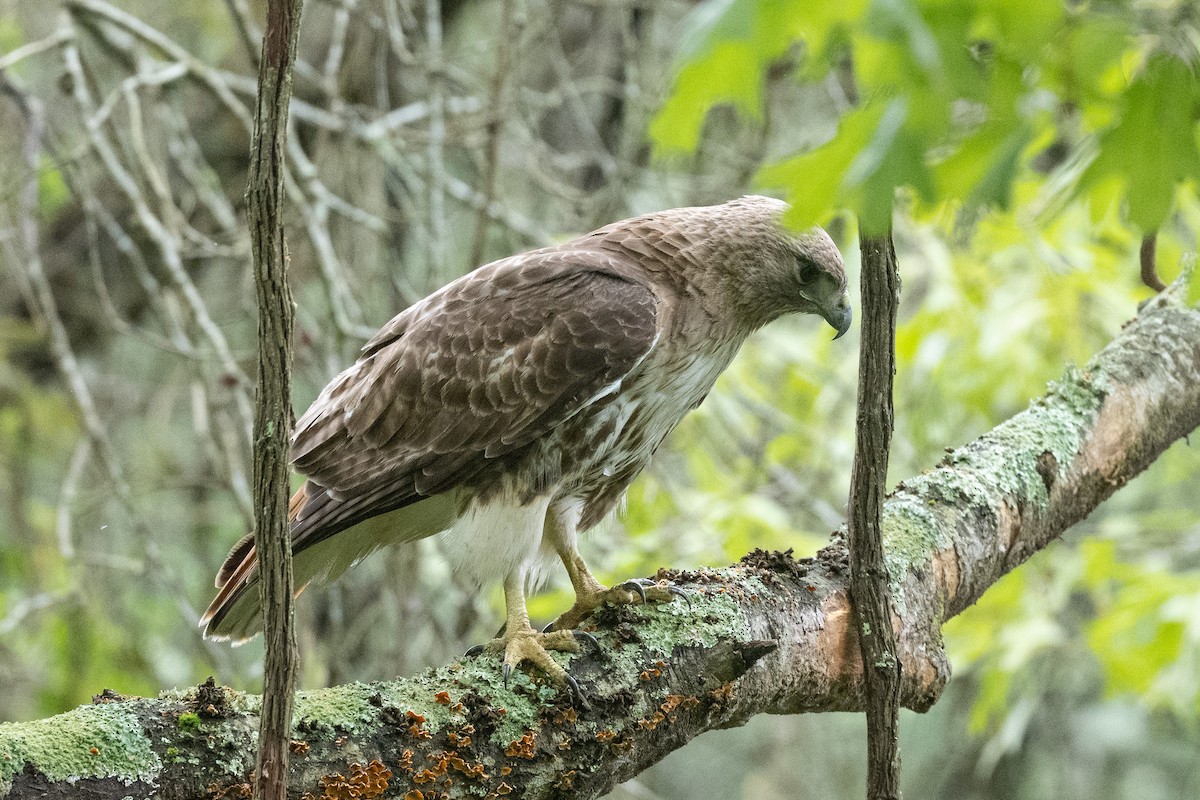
(454, 386)
(472, 374)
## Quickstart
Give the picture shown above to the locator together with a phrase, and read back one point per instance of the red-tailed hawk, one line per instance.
(510, 410)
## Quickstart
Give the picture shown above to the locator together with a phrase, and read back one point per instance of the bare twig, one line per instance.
(495, 127)
(273, 410)
(436, 149)
(869, 579)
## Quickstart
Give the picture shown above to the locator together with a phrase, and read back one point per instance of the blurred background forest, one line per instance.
(429, 137)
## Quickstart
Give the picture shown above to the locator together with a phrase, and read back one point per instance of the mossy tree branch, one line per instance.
(768, 635)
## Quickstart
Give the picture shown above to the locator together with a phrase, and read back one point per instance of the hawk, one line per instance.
(510, 410)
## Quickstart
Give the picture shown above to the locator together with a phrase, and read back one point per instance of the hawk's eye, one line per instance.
(809, 272)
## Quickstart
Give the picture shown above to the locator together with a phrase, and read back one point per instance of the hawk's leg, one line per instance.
(590, 593)
(520, 643)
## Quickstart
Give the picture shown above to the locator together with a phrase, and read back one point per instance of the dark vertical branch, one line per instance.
(869, 584)
(273, 411)
(1146, 255)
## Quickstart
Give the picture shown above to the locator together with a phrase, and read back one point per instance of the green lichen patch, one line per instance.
(1007, 465)
(523, 701)
(710, 616)
(419, 695)
(1005, 460)
(342, 708)
(90, 741)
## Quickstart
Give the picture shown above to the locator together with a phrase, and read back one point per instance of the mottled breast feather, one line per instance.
(462, 381)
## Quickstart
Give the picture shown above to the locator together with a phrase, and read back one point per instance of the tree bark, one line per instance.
(869, 586)
(273, 407)
(770, 634)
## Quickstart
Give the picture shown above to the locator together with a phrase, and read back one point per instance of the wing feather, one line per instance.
(472, 374)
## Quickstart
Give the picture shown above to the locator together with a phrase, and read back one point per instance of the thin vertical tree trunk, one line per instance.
(273, 410)
(869, 584)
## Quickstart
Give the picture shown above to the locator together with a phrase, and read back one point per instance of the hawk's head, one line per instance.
(770, 270)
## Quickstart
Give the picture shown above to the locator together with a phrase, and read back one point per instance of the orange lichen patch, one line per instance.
(234, 791)
(564, 716)
(651, 722)
(362, 783)
(406, 761)
(505, 771)
(445, 761)
(946, 572)
(523, 747)
(448, 760)
(605, 736)
(620, 747)
(503, 789)
(723, 693)
(566, 780)
(647, 675)
(416, 724)
(667, 708)
(426, 776)
(94, 751)
(442, 697)
(459, 739)
(414, 794)
(298, 746)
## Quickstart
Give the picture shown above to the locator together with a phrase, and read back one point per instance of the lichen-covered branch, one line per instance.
(768, 635)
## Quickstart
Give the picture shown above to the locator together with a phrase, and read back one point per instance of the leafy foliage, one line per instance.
(953, 99)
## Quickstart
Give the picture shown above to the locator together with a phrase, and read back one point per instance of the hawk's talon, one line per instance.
(577, 693)
(473, 651)
(685, 594)
(637, 585)
(578, 634)
(623, 594)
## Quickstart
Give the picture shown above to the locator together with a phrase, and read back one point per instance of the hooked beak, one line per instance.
(839, 316)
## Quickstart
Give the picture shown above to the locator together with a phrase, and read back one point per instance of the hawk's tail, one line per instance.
(321, 552)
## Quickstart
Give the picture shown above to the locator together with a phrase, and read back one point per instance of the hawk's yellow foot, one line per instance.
(590, 594)
(637, 590)
(520, 644)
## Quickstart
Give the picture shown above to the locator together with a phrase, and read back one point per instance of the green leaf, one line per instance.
(1152, 147)
(726, 51)
(813, 181)
(52, 188)
(730, 73)
(894, 157)
(981, 171)
(728, 46)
